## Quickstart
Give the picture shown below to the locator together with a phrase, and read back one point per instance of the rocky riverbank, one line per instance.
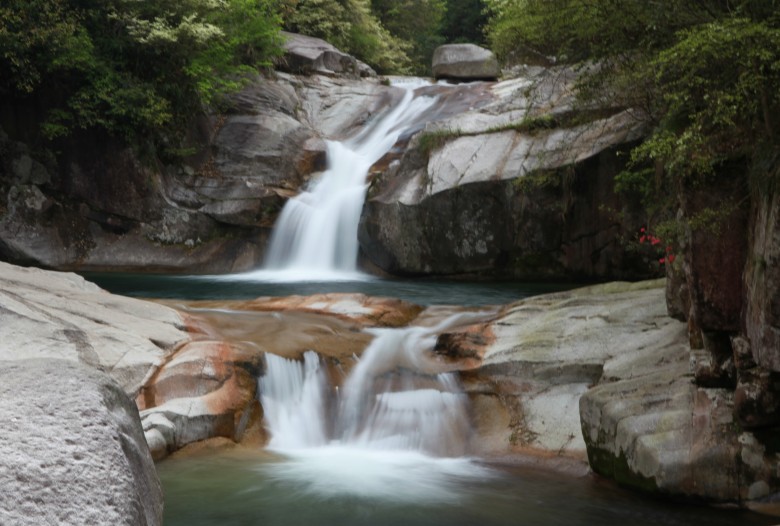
(599, 374)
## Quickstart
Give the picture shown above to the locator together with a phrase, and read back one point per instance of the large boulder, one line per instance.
(527, 369)
(521, 184)
(465, 62)
(54, 315)
(72, 451)
(604, 372)
(310, 55)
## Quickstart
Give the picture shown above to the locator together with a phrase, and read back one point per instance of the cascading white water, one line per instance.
(395, 420)
(315, 237)
(392, 399)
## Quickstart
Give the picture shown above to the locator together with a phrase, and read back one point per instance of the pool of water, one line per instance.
(341, 486)
(423, 292)
(308, 489)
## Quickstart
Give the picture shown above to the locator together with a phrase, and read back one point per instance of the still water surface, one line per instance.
(261, 491)
(423, 292)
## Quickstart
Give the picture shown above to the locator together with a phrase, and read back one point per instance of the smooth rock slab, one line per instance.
(71, 450)
(56, 315)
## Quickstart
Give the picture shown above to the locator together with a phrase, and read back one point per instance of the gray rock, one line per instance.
(72, 451)
(465, 62)
(307, 55)
(52, 315)
(513, 186)
(542, 354)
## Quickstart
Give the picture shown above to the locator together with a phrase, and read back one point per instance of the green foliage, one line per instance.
(464, 21)
(433, 140)
(138, 69)
(351, 26)
(417, 22)
(706, 74)
(720, 91)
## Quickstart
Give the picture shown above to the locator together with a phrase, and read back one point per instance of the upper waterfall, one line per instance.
(315, 236)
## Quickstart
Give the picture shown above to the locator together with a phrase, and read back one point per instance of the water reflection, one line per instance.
(349, 488)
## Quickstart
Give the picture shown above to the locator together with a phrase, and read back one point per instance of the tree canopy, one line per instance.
(706, 72)
(139, 69)
(134, 68)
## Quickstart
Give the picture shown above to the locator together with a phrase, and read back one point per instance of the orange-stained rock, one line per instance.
(357, 308)
(206, 389)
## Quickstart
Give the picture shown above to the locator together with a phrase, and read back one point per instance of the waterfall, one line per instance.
(393, 399)
(315, 237)
(395, 429)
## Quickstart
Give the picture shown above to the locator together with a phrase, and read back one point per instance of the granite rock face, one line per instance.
(102, 207)
(518, 183)
(464, 62)
(72, 451)
(603, 372)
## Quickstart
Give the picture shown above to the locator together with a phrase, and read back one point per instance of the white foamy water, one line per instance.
(315, 237)
(396, 429)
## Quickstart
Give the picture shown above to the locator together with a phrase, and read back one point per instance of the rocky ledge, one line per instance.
(603, 372)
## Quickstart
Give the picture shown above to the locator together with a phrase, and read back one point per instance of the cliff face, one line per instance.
(100, 206)
(519, 184)
(727, 287)
(516, 183)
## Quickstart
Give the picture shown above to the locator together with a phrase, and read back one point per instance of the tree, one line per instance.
(706, 72)
(465, 21)
(137, 69)
(417, 22)
(351, 26)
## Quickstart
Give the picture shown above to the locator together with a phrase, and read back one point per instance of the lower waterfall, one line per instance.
(393, 428)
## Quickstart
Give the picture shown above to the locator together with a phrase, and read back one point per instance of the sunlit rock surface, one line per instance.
(72, 451)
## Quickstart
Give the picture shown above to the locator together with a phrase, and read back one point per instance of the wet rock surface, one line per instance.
(600, 373)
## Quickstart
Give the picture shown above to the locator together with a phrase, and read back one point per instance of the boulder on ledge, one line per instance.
(307, 55)
(465, 62)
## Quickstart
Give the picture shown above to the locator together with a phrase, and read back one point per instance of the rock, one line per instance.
(603, 371)
(72, 451)
(464, 62)
(713, 270)
(512, 187)
(540, 355)
(53, 315)
(762, 281)
(207, 389)
(307, 55)
(358, 308)
(212, 212)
